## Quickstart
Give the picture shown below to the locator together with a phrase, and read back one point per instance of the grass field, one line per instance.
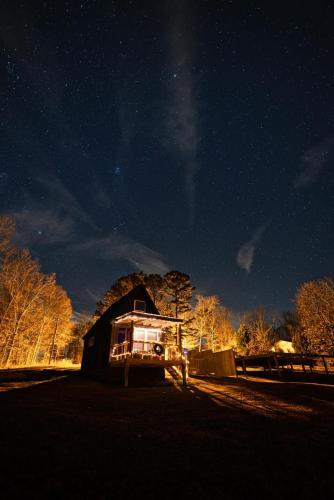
(69, 437)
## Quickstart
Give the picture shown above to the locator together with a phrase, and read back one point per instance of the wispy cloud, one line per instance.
(81, 316)
(118, 247)
(315, 160)
(183, 114)
(43, 227)
(59, 195)
(246, 252)
(93, 295)
(61, 221)
(55, 218)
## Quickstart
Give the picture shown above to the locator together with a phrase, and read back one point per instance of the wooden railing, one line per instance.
(122, 351)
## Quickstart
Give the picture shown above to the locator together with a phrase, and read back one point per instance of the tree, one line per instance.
(35, 313)
(260, 330)
(79, 329)
(122, 286)
(24, 286)
(243, 339)
(179, 291)
(212, 325)
(315, 308)
(288, 325)
(299, 341)
(156, 286)
(171, 293)
(7, 230)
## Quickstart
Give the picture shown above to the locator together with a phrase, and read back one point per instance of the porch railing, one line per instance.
(122, 351)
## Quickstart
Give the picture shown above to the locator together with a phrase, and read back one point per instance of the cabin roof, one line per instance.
(122, 306)
(146, 319)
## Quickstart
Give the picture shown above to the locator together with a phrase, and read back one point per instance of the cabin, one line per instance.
(129, 341)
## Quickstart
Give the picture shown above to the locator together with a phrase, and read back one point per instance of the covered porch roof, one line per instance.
(147, 320)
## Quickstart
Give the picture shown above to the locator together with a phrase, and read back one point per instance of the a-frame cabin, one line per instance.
(129, 334)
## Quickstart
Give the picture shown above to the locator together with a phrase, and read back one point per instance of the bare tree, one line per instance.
(315, 309)
(212, 324)
(32, 305)
(260, 328)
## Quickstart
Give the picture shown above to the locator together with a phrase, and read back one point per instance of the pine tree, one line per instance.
(179, 291)
(243, 338)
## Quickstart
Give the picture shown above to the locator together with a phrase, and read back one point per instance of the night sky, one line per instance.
(159, 135)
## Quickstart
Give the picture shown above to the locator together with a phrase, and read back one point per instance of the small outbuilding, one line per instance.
(129, 340)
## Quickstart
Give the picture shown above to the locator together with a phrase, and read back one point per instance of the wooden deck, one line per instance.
(127, 362)
(279, 361)
(145, 362)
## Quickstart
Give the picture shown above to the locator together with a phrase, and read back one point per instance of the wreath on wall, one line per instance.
(158, 349)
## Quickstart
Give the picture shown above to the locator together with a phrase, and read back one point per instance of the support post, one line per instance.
(184, 374)
(302, 363)
(126, 372)
(178, 337)
(244, 367)
(112, 341)
(325, 364)
(278, 366)
(131, 337)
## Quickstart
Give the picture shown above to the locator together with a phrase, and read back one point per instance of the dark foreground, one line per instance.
(72, 437)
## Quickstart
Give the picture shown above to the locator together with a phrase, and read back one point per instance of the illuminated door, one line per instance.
(123, 334)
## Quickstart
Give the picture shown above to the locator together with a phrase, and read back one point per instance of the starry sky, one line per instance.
(157, 135)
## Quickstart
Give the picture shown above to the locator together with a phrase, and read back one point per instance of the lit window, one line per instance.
(144, 339)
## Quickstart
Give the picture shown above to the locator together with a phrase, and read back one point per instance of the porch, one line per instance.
(137, 340)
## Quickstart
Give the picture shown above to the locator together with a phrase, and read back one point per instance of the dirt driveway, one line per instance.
(66, 436)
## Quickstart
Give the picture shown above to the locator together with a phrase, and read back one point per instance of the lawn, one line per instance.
(63, 435)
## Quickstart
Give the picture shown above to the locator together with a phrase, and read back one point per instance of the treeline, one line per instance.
(35, 312)
(309, 326)
(210, 325)
(36, 326)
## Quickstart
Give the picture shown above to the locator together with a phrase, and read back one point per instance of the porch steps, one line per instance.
(174, 372)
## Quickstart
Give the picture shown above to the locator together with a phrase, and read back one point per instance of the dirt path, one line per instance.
(259, 397)
(72, 437)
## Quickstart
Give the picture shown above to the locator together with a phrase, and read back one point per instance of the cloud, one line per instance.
(182, 112)
(246, 252)
(118, 247)
(93, 295)
(81, 316)
(315, 160)
(43, 227)
(61, 196)
(56, 218)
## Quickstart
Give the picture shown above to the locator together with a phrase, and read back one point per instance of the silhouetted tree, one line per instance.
(179, 291)
(121, 287)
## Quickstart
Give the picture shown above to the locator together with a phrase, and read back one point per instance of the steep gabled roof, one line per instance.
(122, 306)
